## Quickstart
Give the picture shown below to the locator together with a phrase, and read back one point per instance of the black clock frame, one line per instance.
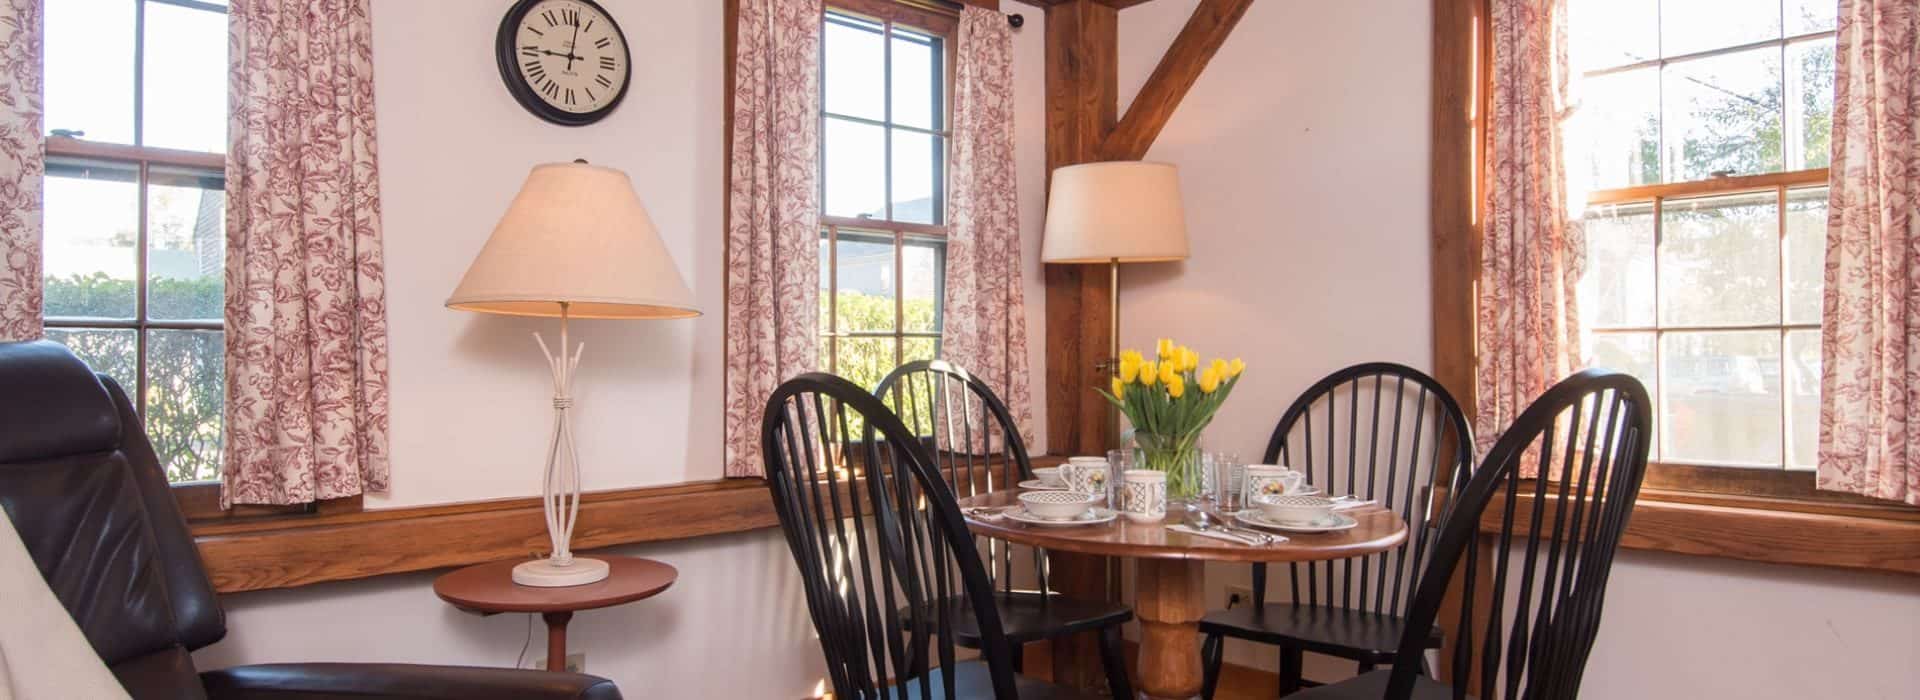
(507, 57)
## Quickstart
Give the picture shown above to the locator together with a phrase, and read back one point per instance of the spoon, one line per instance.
(1200, 520)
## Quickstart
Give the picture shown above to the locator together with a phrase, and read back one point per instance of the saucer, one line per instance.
(1094, 516)
(1038, 485)
(1333, 523)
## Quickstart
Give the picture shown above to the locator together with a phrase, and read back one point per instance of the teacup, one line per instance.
(1086, 477)
(1050, 476)
(1145, 499)
(1271, 480)
(1294, 510)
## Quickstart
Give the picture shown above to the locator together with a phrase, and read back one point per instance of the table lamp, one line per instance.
(575, 243)
(1114, 212)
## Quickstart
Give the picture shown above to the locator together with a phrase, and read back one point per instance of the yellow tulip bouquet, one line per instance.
(1170, 400)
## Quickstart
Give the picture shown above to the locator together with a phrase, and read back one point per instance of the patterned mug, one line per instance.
(1086, 476)
(1145, 499)
(1270, 480)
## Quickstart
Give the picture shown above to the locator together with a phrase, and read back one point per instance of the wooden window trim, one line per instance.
(1775, 516)
(261, 554)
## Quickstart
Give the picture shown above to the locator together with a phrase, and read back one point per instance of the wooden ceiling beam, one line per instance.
(1115, 4)
(1179, 68)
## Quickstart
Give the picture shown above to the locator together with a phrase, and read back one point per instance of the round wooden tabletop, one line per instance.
(1379, 530)
(490, 587)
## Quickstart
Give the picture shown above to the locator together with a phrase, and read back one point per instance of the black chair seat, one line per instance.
(973, 680)
(1028, 617)
(1349, 634)
(1373, 686)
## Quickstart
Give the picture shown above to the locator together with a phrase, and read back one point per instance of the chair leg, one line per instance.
(1292, 663)
(1019, 659)
(1115, 662)
(1211, 653)
(1366, 667)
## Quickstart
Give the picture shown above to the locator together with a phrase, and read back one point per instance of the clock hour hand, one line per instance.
(573, 45)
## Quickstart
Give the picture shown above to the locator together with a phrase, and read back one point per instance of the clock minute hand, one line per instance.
(573, 44)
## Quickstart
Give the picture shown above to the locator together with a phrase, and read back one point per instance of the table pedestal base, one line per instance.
(1169, 600)
(557, 639)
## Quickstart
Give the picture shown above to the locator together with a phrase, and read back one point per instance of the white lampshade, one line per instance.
(578, 234)
(1120, 211)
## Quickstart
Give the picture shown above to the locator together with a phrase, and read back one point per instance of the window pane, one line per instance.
(1688, 26)
(917, 75)
(107, 351)
(865, 276)
(1803, 398)
(1618, 289)
(1804, 16)
(1631, 353)
(1608, 33)
(919, 349)
(1619, 126)
(92, 217)
(854, 67)
(865, 361)
(1806, 251)
(1722, 114)
(1810, 73)
(855, 169)
(185, 87)
(89, 68)
(186, 244)
(917, 163)
(186, 388)
(1718, 263)
(924, 281)
(1721, 399)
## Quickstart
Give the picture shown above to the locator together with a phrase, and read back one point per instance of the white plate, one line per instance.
(1094, 516)
(1335, 523)
(1038, 485)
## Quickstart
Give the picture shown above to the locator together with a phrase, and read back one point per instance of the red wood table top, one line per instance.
(489, 588)
(1379, 530)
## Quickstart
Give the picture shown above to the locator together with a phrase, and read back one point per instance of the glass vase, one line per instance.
(1177, 456)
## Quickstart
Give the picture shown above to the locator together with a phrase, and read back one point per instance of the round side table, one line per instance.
(489, 588)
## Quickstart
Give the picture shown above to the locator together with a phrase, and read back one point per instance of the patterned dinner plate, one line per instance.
(1333, 523)
(1094, 516)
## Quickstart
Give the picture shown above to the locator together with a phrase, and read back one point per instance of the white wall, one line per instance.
(469, 392)
(1303, 151)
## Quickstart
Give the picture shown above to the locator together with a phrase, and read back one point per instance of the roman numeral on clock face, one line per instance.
(603, 81)
(602, 42)
(607, 62)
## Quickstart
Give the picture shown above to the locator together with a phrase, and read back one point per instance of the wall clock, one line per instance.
(566, 61)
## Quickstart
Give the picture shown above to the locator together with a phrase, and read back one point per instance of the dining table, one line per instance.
(1169, 597)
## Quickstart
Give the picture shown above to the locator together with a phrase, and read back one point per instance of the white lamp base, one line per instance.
(546, 574)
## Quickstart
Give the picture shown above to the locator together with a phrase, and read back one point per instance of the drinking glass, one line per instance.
(1224, 473)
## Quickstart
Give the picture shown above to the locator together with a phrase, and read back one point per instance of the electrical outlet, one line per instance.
(1239, 596)
(576, 662)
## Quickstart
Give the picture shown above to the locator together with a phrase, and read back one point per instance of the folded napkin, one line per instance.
(987, 513)
(1220, 534)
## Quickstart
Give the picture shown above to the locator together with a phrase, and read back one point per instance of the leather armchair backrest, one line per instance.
(84, 488)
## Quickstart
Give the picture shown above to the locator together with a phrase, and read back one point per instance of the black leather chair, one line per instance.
(81, 484)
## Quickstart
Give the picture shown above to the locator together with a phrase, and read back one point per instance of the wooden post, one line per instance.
(1082, 102)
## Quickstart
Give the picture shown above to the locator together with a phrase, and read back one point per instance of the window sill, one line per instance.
(1871, 538)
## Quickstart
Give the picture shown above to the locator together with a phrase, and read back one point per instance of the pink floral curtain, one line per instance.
(773, 215)
(984, 329)
(306, 297)
(1531, 252)
(22, 167)
(1870, 347)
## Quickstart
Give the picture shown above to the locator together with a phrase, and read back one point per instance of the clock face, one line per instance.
(569, 59)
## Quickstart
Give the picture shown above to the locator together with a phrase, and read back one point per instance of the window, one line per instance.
(1705, 124)
(883, 187)
(135, 216)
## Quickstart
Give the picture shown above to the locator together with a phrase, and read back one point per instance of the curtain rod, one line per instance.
(1014, 19)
